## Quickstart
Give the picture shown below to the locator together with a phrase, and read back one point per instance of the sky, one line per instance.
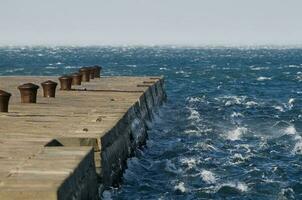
(151, 22)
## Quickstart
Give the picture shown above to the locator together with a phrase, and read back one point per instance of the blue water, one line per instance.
(231, 126)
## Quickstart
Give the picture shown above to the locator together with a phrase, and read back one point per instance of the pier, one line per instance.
(74, 145)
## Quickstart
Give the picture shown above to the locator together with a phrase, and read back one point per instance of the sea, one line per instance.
(230, 129)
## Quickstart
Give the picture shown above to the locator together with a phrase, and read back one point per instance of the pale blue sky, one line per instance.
(183, 22)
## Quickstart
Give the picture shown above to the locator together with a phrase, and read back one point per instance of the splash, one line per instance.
(236, 133)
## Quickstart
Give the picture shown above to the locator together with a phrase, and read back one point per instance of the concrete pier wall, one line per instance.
(129, 133)
(77, 144)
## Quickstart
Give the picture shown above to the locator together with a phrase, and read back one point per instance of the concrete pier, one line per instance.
(71, 146)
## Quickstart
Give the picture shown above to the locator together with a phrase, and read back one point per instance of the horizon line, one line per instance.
(268, 46)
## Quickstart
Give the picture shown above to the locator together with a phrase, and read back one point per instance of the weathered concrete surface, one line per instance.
(109, 114)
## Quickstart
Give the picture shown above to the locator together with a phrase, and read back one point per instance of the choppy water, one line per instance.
(231, 128)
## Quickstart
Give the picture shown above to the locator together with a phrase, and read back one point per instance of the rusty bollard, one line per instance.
(97, 71)
(28, 92)
(85, 72)
(49, 88)
(76, 78)
(65, 81)
(4, 99)
(92, 71)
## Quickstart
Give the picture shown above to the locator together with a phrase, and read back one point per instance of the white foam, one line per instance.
(238, 158)
(180, 187)
(293, 66)
(180, 72)
(290, 130)
(194, 115)
(15, 70)
(194, 99)
(291, 103)
(51, 67)
(208, 176)
(286, 193)
(263, 78)
(251, 103)
(232, 100)
(298, 147)
(280, 108)
(236, 114)
(190, 162)
(204, 146)
(258, 68)
(190, 131)
(299, 77)
(71, 67)
(236, 133)
(133, 66)
(242, 187)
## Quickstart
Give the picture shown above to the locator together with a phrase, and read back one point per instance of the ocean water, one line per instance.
(231, 128)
